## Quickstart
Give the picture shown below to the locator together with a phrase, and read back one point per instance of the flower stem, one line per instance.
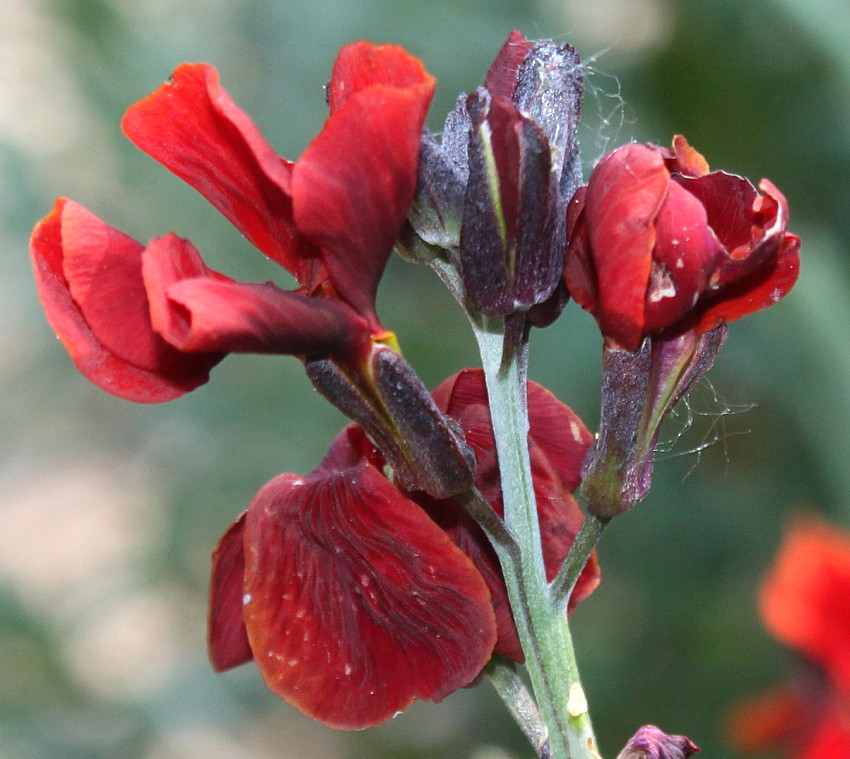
(506, 679)
(561, 588)
(541, 625)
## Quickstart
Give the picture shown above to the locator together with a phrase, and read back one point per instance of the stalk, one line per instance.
(541, 625)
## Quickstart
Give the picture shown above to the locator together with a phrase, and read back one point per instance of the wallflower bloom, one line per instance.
(664, 254)
(805, 603)
(658, 244)
(355, 597)
(148, 322)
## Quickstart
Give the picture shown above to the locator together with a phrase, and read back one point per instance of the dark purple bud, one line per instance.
(508, 261)
(549, 90)
(639, 388)
(510, 152)
(651, 743)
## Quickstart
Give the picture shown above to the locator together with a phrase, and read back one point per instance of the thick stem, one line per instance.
(542, 628)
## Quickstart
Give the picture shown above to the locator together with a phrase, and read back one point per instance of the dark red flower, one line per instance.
(660, 245)
(805, 603)
(148, 323)
(355, 597)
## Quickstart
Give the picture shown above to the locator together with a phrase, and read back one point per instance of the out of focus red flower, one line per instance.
(355, 597)
(658, 244)
(147, 323)
(805, 603)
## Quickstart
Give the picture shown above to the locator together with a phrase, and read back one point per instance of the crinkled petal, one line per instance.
(762, 289)
(684, 257)
(623, 198)
(353, 185)
(214, 315)
(356, 602)
(89, 278)
(193, 128)
(227, 637)
(728, 201)
(364, 64)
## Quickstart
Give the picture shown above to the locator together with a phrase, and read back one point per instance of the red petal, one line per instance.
(357, 602)
(831, 736)
(682, 260)
(502, 75)
(90, 282)
(549, 421)
(212, 315)
(227, 637)
(623, 198)
(353, 185)
(762, 289)
(728, 200)
(805, 600)
(579, 269)
(364, 64)
(192, 127)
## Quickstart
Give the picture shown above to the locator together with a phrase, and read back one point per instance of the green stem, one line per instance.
(506, 679)
(561, 588)
(542, 628)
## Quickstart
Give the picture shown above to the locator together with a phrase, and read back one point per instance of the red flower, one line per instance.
(805, 603)
(355, 597)
(148, 323)
(659, 244)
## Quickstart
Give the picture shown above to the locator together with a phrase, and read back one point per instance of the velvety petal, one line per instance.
(354, 183)
(213, 315)
(805, 600)
(683, 258)
(728, 200)
(501, 77)
(227, 637)
(192, 127)
(623, 198)
(763, 288)
(364, 64)
(356, 602)
(89, 279)
(549, 420)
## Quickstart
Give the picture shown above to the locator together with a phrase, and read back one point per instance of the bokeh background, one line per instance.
(109, 511)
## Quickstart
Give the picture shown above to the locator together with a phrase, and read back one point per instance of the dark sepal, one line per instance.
(639, 388)
(424, 448)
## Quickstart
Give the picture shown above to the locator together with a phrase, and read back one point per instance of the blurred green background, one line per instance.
(108, 511)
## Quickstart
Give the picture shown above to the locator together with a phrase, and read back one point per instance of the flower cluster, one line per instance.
(805, 604)
(354, 596)
(148, 322)
(380, 578)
